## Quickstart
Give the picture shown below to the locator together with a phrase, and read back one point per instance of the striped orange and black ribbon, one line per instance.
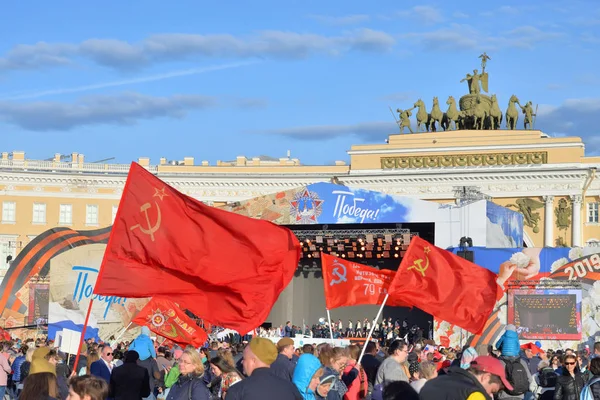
(491, 330)
(35, 259)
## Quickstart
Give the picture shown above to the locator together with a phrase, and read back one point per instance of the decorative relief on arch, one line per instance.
(464, 160)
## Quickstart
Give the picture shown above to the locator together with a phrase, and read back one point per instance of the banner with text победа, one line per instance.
(72, 278)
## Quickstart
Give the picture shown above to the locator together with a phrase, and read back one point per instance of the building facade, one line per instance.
(549, 180)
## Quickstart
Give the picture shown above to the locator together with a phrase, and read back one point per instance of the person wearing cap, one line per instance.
(485, 377)
(283, 366)
(261, 384)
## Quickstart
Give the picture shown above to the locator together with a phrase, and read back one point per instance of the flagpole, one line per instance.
(87, 319)
(329, 319)
(362, 352)
(123, 332)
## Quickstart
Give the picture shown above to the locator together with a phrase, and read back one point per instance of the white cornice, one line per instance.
(539, 146)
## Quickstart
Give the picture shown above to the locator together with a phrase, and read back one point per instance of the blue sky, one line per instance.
(212, 81)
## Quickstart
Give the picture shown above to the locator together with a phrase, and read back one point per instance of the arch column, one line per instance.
(576, 221)
(548, 221)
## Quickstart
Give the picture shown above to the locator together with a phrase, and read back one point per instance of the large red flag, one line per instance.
(348, 283)
(445, 285)
(226, 268)
(166, 319)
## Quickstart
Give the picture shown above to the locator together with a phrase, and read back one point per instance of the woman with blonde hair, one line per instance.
(190, 385)
(91, 358)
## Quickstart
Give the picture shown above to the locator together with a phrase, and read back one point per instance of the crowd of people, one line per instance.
(264, 368)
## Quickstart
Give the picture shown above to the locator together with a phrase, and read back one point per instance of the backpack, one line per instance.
(517, 376)
(547, 378)
(586, 393)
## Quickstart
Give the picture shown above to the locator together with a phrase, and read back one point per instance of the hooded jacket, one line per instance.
(143, 345)
(303, 373)
(508, 344)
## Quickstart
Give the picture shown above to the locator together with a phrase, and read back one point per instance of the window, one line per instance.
(8, 250)
(592, 213)
(9, 212)
(91, 214)
(65, 216)
(39, 213)
(114, 213)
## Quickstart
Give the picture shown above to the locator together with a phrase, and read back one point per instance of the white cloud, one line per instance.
(121, 109)
(423, 14)
(175, 46)
(366, 130)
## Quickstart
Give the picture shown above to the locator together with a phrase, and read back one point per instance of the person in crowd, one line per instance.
(426, 372)
(144, 345)
(555, 362)
(224, 375)
(531, 358)
(172, 374)
(334, 360)
(88, 387)
(519, 376)
(543, 382)
(190, 385)
(5, 370)
(259, 354)
(130, 381)
(103, 367)
(399, 390)
(41, 382)
(92, 357)
(283, 366)
(354, 376)
(307, 376)
(16, 366)
(484, 378)
(25, 367)
(468, 355)
(508, 344)
(392, 368)
(82, 363)
(593, 385)
(570, 384)
(370, 363)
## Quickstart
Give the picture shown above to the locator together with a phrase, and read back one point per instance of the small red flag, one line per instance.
(348, 283)
(445, 285)
(166, 319)
(225, 268)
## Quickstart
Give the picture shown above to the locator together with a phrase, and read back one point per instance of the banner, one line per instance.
(72, 278)
(558, 271)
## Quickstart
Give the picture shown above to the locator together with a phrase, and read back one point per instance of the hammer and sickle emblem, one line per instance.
(150, 229)
(418, 263)
(339, 271)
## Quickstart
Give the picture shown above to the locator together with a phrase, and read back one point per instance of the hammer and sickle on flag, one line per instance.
(418, 263)
(151, 229)
(339, 271)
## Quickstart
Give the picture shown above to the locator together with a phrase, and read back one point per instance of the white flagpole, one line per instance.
(362, 353)
(122, 332)
(329, 320)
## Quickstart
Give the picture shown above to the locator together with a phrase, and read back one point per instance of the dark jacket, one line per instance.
(99, 369)
(181, 389)
(457, 384)
(129, 382)
(283, 367)
(569, 388)
(595, 387)
(262, 384)
(370, 364)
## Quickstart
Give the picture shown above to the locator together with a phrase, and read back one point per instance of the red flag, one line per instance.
(226, 268)
(166, 319)
(348, 283)
(445, 285)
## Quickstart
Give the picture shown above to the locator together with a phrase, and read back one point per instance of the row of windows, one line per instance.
(65, 213)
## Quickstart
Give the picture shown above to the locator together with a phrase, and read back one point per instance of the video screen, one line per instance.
(546, 314)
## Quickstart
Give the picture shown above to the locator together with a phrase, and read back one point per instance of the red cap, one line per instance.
(493, 366)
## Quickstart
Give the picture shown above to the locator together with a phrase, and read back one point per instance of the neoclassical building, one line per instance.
(549, 180)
